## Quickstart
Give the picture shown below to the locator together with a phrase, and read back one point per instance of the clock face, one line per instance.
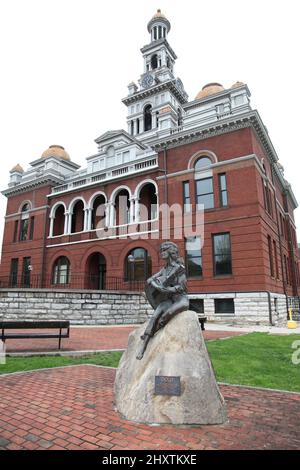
(147, 81)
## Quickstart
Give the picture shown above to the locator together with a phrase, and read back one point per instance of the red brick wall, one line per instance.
(245, 218)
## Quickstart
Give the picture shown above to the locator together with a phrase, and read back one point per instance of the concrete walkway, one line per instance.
(273, 330)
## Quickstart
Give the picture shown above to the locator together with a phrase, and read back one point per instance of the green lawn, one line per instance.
(17, 364)
(255, 359)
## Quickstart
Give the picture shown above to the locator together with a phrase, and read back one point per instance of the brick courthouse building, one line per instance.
(213, 150)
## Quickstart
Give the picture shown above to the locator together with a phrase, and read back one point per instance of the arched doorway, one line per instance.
(96, 272)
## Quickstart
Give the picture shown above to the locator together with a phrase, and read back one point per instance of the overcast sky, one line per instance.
(66, 64)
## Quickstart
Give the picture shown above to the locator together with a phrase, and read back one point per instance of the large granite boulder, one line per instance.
(177, 350)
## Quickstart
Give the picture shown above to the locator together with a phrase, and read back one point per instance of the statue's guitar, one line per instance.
(153, 290)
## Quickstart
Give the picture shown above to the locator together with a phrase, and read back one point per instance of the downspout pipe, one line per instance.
(270, 309)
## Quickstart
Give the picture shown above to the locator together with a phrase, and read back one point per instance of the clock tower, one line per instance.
(155, 106)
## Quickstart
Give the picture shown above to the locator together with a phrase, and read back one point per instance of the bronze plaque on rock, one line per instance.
(167, 385)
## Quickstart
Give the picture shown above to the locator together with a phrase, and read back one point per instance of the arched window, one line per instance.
(25, 207)
(148, 118)
(154, 62)
(24, 226)
(138, 266)
(61, 271)
(202, 162)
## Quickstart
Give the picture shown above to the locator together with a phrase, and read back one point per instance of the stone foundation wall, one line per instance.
(117, 308)
(250, 308)
(80, 307)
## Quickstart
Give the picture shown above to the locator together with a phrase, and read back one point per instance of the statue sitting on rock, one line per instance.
(175, 382)
(166, 291)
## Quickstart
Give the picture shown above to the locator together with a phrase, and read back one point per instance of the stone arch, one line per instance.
(146, 200)
(73, 202)
(77, 222)
(199, 154)
(117, 190)
(57, 216)
(143, 183)
(93, 197)
(23, 204)
(55, 206)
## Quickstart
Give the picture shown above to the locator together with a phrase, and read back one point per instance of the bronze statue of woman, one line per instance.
(166, 291)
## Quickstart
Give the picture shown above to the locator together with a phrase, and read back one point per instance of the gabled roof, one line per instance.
(118, 135)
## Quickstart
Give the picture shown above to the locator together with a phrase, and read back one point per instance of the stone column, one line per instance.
(66, 225)
(141, 125)
(52, 218)
(112, 212)
(87, 219)
(69, 222)
(137, 210)
(153, 120)
(89, 223)
(107, 214)
(131, 210)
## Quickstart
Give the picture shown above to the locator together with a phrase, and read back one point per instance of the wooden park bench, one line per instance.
(33, 325)
(202, 319)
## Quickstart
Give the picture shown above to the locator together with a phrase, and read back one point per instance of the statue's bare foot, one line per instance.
(141, 351)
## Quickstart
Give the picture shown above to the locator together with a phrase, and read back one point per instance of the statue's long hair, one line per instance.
(173, 251)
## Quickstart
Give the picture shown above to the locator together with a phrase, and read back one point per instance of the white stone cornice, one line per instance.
(22, 187)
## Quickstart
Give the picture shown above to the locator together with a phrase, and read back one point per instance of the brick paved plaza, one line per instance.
(72, 408)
